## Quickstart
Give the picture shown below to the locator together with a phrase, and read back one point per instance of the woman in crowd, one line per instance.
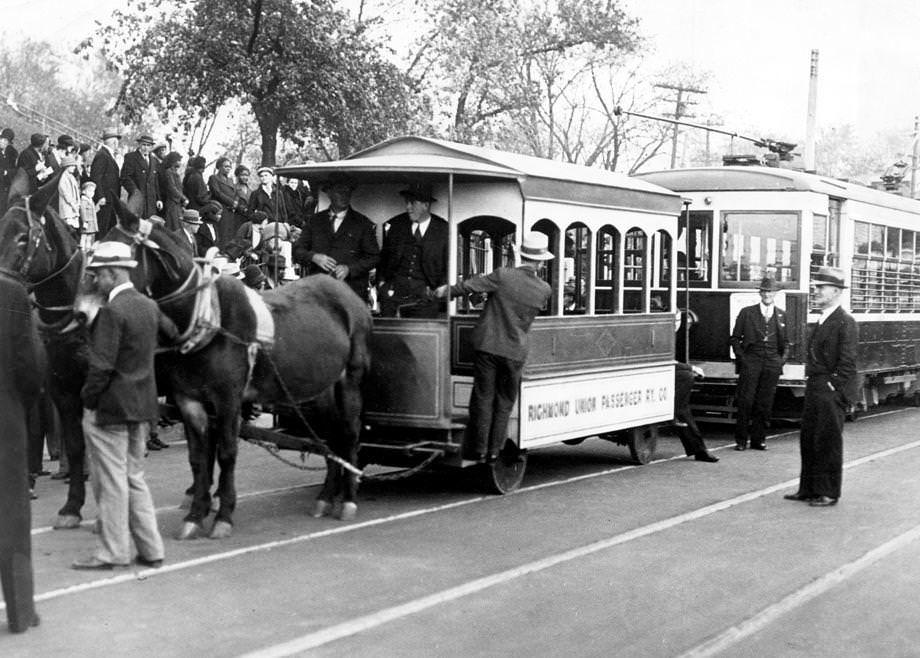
(174, 201)
(69, 194)
(193, 186)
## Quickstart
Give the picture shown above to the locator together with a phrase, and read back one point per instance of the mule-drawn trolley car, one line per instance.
(747, 222)
(601, 357)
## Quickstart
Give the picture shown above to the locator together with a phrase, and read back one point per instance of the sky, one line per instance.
(757, 53)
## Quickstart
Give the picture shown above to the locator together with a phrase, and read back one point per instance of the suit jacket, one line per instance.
(204, 239)
(398, 241)
(104, 173)
(8, 159)
(354, 244)
(190, 245)
(139, 176)
(194, 188)
(749, 330)
(27, 161)
(832, 354)
(516, 295)
(270, 204)
(120, 384)
(223, 190)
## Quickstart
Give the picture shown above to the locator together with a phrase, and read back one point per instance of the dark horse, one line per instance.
(48, 261)
(313, 361)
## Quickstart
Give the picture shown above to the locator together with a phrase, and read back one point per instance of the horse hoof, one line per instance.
(66, 522)
(320, 508)
(189, 530)
(186, 502)
(221, 530)
(348, 512)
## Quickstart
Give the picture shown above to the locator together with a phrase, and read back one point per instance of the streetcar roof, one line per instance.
(773, 179)
(409, 158)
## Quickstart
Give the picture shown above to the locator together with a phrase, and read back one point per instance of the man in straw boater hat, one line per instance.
(516, 295)
(760, 344)
(120, 402)
(832, 385)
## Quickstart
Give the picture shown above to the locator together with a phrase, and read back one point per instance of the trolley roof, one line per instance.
(767, 179)
(411, 158)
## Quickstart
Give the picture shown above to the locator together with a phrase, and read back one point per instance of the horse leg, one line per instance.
(195, 421)
(70, 410)
(225, 434)
(348, 405)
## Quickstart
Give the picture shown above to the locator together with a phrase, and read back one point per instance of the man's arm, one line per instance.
(106, 338)
(843, 376)
(738, 333)
(127, 174)
(368, 251)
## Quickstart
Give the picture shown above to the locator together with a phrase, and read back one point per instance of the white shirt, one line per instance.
(825, 314)
(119, 288)
(766, 311)
(422, 226)
(337, 218)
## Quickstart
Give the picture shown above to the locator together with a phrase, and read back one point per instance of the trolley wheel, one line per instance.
(506, 473)
(642, 442)
(575, 442)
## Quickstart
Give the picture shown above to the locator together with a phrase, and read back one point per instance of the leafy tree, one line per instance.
(304, 68)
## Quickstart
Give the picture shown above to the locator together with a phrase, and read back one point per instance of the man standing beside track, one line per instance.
(759, 342)
(120, 402)
(516, 295)
(832, 384)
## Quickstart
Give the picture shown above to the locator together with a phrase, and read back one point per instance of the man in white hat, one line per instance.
(120, 402)
(185, 234)
(516, 295)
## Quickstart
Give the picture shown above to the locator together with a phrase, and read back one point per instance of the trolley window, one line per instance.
(886, 273)
(757, 244)
(577, 267)
(608, 271)
(551, 231)
(693, 253)
(660, 299)
(634, 275)
(825, 249)
(485, 243)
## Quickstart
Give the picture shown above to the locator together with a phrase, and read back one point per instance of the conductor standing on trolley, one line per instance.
(516, 295)
(759, 342)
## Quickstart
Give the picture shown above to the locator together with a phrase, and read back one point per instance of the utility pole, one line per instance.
(680, 110)
(810, 136)
(913, 158)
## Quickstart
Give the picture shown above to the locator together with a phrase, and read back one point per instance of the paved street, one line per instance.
(591, 557)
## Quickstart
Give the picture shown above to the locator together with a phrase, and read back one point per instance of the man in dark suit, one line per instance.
(185, 234)
(139, 177)
(104, 172)
(339, 241)
(687, 430)
(414, 258)
(759, 342)
(832, 384)
(20, 382)
(33, 162)
(207, 232)
(8, 157)
(516, 295)
(120, 403)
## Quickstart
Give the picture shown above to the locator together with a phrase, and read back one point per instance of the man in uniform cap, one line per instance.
(832, 385)
(105, 173)
(140, 178)
(760, 345)
(120, 402)
(339, 241)
(516, 295)
(414, 258)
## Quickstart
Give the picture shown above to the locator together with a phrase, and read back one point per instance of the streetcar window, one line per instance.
(825, 245)
(605, 284)
(757, 244)
(634, 279)
(886, 273)
(550, 267)
(892, 242)
(484, 244)
(861, 237)
(693, 255)
(660, 299)
(576, 267)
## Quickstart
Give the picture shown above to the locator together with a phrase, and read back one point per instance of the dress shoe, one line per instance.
(758, 446)
(740, 446)
(92, 563)
(822, 501)
(152, 564)
(151, 445)
(161, 445)
(705, 457)
(799, 497)
(61, 475)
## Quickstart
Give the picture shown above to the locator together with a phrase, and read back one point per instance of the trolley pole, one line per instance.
(687, 203)
(913, 158)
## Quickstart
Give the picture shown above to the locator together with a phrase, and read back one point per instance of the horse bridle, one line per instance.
(36, 237)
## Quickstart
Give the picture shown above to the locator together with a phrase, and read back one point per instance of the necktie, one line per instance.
(418, 234)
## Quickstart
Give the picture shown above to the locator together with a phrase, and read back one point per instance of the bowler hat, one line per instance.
(829, 276)
(7, 133)
(108, 133)
(211, 208)
(145, 139)
(111, 254)
(65, 141)
(768, 284)
(252, 275)
(190, 216)
(535, 246)
(420, 191)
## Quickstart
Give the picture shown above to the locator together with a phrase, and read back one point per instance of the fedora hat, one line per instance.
(108, 133)
(111, 254)
(191, 217)
(768, 284)
(420, 191)
(535, 246)
(829, 276)
(145, 139)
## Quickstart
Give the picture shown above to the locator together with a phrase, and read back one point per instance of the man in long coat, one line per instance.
(105, 173)
(759, 341)
(8, 157)
(139, 177)
(832, 384)
(20, 381)
(339, 241)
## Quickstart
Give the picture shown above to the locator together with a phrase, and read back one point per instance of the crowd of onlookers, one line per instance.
(251, 222)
